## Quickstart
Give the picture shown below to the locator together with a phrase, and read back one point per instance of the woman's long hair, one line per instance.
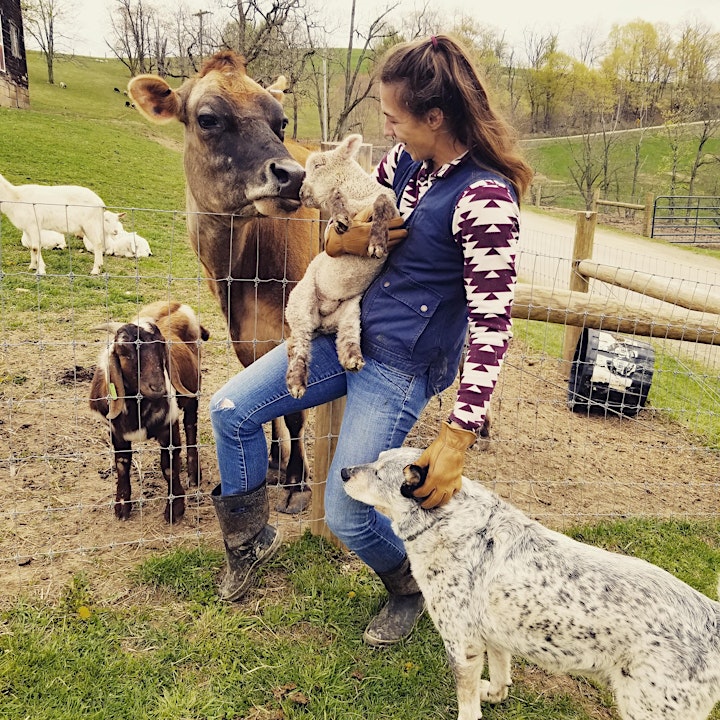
(437, 73)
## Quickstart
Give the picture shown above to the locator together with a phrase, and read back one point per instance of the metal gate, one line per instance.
(687, 218)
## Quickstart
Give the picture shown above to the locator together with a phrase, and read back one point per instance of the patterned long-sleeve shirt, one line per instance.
(486, 224)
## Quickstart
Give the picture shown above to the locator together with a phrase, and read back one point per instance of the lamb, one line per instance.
(327, 298)
(124, 243)
(62, 208)
(49, 240)
(150, 372)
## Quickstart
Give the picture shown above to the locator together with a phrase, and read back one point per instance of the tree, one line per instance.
(358, 79)
(40, 20)
(132, 23)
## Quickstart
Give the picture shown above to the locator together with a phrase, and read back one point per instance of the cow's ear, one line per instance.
(277, 89)
(155, 99)
(414, 477)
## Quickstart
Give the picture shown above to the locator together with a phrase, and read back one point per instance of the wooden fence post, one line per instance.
(582, 250)
(649, 208)
(328, 417)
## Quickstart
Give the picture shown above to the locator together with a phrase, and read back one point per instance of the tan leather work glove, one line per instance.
(444, 459)
(355, 240)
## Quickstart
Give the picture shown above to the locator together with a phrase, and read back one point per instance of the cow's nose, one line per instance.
(346, 474)
(290, 176)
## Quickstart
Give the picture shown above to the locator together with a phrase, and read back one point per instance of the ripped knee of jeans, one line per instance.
(223, 403)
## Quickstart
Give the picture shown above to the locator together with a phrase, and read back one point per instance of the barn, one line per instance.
(14, 90)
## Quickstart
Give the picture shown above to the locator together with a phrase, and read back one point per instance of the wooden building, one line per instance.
(14, 90)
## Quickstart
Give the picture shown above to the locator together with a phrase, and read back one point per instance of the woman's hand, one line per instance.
(444, 459)
(355, 240)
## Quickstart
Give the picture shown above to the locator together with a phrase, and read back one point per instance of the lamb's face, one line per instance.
(326, 170)
(111, 223)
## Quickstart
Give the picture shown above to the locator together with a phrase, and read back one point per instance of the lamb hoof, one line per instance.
(297, 391)
(341, 223)
(352, 359)
(377, 251)
(294, 501)
(95, 271)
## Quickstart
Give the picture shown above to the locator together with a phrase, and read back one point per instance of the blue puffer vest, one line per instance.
(414, 314)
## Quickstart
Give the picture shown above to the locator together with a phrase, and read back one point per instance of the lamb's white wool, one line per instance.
(49, 240)
(125, 243)
(327, 299)
(62, 208)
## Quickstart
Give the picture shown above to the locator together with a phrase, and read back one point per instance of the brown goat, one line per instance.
(147, 375)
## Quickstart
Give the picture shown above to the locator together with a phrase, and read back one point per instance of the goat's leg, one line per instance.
(384, 210)
(98, 244)
(190, 415)
(170, 440)
(123, 458)
(36, 259)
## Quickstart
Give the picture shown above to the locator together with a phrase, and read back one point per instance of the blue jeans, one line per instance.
(382, 406)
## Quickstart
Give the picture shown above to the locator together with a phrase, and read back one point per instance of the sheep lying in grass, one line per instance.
(124, 243)
(327, 298)
(62, 208)
(150, 372)
(49, 240)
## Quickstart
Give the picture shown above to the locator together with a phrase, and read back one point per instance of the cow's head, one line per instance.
(235, 159)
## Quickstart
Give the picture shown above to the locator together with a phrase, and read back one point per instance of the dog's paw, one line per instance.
(493, 694)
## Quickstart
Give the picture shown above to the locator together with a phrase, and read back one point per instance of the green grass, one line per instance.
(296, 655)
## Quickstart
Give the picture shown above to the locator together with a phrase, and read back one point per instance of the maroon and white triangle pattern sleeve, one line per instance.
(486, 222)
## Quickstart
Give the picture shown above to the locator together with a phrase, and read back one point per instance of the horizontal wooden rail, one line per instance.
(668, 290)
(578, 309)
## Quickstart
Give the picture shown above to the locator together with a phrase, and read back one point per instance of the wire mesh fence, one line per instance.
(57, 474)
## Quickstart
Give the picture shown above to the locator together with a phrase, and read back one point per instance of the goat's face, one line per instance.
(142, 355)
(111, 223)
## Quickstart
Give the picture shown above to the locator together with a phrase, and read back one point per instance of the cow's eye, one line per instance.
(284, 123)
(208, 122)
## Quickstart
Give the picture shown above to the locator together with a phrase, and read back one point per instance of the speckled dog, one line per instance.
(498, 583)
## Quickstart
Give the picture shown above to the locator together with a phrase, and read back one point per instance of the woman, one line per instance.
(458, 177)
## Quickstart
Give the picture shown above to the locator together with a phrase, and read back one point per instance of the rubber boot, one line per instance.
(249, 540)
(405, 605)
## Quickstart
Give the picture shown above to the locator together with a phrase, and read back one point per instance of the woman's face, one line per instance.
(419, 138)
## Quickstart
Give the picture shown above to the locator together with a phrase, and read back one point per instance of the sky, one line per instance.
(91, 25)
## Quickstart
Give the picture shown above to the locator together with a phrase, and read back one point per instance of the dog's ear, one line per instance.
(414, 478)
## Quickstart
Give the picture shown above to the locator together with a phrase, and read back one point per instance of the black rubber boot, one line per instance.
(249, 540)
(397, 619)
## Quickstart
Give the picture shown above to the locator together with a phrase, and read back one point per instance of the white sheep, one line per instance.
(62, 208)
(124, 244)
(327, 298)
(49, 240)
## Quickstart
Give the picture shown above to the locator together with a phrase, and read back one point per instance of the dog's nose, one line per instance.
(345, 474)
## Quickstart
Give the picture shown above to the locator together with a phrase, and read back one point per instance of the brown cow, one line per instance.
(242, 192)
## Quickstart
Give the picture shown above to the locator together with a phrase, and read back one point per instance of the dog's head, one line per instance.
(387, 483)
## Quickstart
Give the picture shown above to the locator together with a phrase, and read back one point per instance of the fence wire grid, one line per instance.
(57, 474)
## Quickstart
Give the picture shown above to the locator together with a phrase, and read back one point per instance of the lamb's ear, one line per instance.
(350, 146)
(116, 387)
(414, 477)
(277, 89)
